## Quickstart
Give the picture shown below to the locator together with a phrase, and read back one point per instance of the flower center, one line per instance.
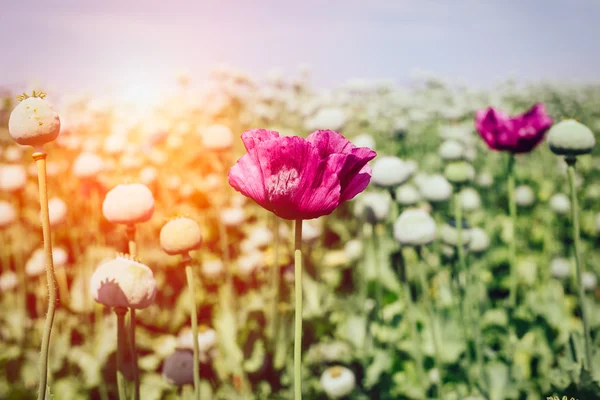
(282, 183)
(202, 328)
(335, 372)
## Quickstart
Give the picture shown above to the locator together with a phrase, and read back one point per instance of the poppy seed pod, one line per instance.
(8, 214)
(560, 203)
(8, 281)
(469, 199)
(57, 211)
(407, 195)
(312, 229)
(13, 177)
(524, 196)
(571, 138)
(459, 172)
(233, 216)
(414, 227)
(485, 179)
(480, 241)
(178, 368)
(338, 382)
(123, 282)
(391, 171)
(451, 150)
(373, 206)
(34, 122)
(87, 165)
(128, 204)
(217, 137)
(212, 269)
(589, 281)
(353, 249)
(560, 268)
(180, 236)
(449, 234)
(435, 188)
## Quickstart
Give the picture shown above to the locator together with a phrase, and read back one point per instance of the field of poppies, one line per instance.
(265, 239)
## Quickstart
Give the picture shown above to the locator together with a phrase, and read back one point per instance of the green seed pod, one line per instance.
(459, 172)
(571, 138)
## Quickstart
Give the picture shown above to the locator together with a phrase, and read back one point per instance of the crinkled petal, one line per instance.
(491, 125)
(253, 137)
(348, 166)
(299, 184)
(246, 177)
(357, 184)
(530, 128)
(329, 142)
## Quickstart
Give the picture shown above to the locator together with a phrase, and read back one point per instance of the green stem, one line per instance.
(512, 252)
(132, 322)
(579, 264)
(433, 325)
(411, 312)
(121, 351)
(40, 159)
(298, 311)
(378, 288)
(275, 280)
(190, 281)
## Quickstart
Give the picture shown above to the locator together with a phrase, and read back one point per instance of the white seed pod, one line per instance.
(13, 177)
(435, 188)
(312, 229)
(485, 179)
(589, 280)
(560, 268)
(36, 264)
(217, 137)
(233, 216)
(415, 227)
(248, 263)
(131, 203)
(338, 382)
(480, 241)
(372, 206)
(8, 281)
(353, 249)
(459, 172)
(123, 282)
(571, 138)
(524, 196)
(560, 203)
(57, 211)
(60, 257)
(327, 118)
(180, 236)
(407, 195)
(469, 199)
(212, 269)
(449, 233)
(389, 171)
(451, 150)
(364, 140)
(260, 236)
(8, 214)
(148, 175)
(88, 165)
(34, 122)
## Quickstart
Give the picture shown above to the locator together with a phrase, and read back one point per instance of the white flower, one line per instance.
(128, 204)
(13, 177)
(372, 206)
(560, 203)
(407, 195)
(414, 227)
(560, 267)
(353, 249)
(88, 165)
(469, 199)
(480, 241)
(338, 382)
(8, 214)
(213, 268)
(435, 188)
(451, 150)
(180, 236)
(364, 140)
(389, 171)
(524, 196)
(589, 280)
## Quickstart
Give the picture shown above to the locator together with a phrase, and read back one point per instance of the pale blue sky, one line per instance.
(78, 43)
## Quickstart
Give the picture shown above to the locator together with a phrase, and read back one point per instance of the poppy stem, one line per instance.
(121, 311)
(580, 289)
(132, 321)
(275, 280)
(186, 261)
(40, 160)
(512, 210)
(298, 311)
(378, 288)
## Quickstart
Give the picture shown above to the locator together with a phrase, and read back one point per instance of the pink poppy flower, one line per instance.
(518, 134)
(298, 178)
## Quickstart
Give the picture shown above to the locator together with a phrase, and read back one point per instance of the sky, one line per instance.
(72, 44)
